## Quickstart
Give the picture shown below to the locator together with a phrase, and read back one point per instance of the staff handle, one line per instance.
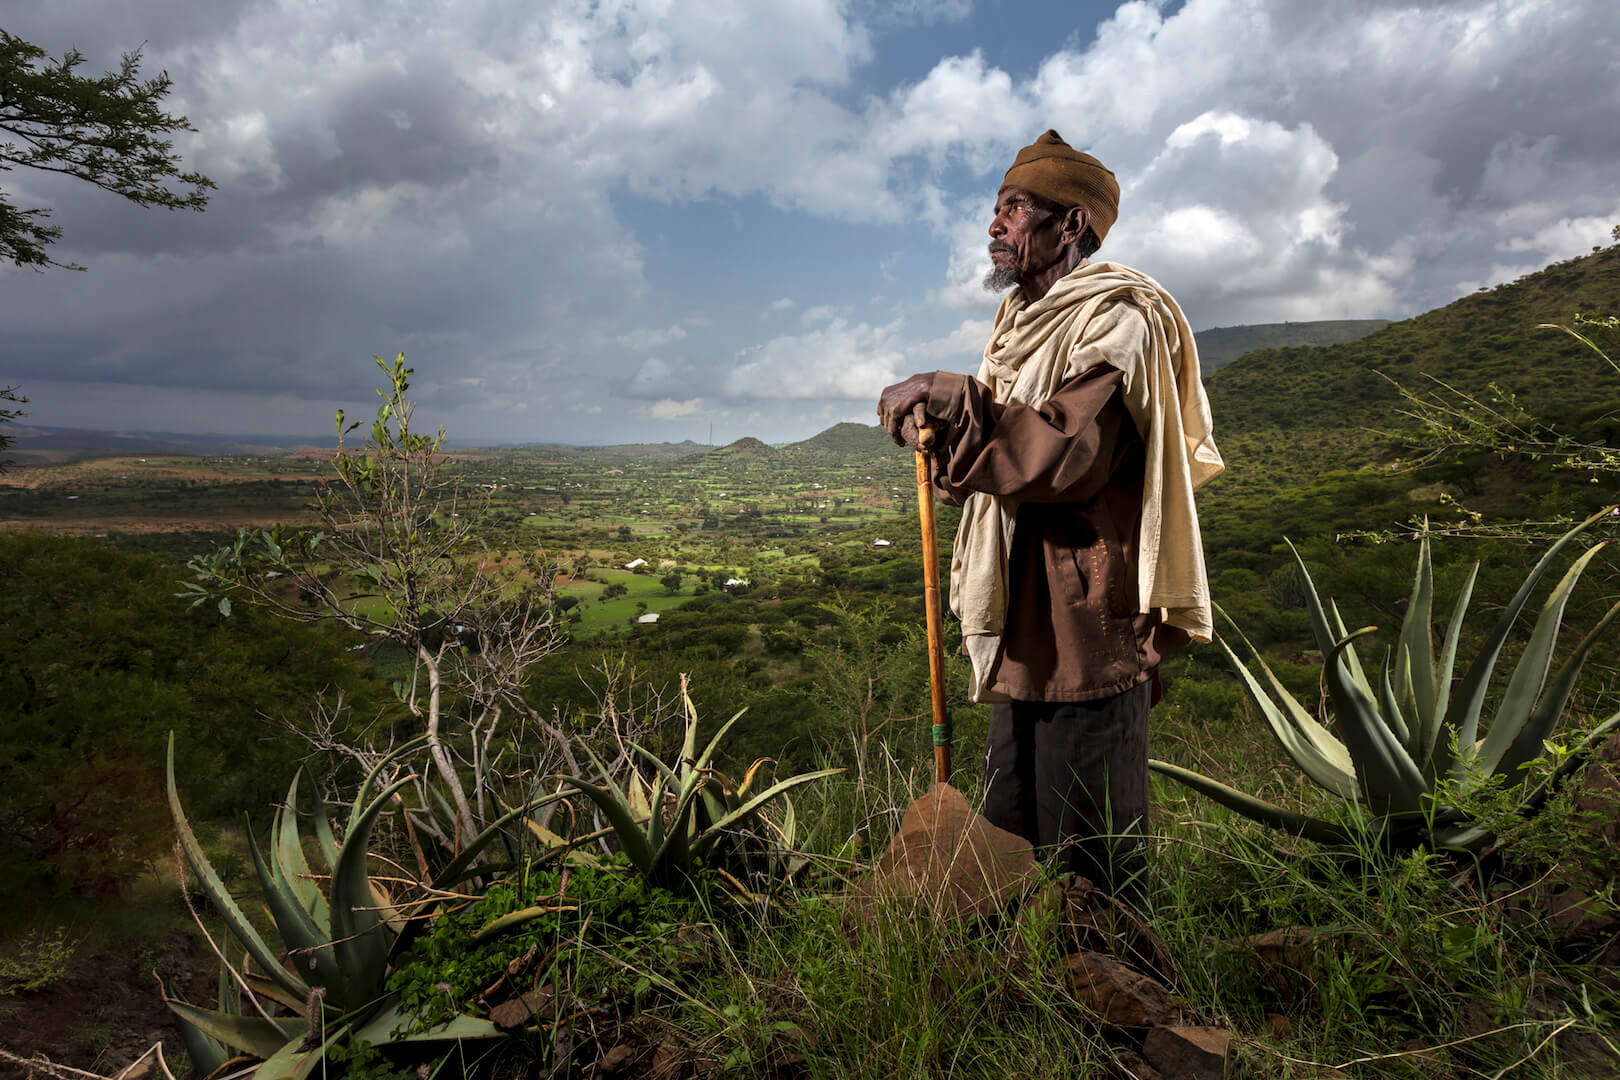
(931, 602)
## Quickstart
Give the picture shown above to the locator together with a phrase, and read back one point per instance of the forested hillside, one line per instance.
(1220, 345)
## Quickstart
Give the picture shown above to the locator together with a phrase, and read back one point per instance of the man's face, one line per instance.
(1025, 238)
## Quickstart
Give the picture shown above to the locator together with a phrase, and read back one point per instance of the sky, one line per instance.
(604, 221)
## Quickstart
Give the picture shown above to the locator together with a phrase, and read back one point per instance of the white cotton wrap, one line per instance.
(1099, 313)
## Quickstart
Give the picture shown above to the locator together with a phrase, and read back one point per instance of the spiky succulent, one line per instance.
(1399, 743)
(687, 812)
(330, 985)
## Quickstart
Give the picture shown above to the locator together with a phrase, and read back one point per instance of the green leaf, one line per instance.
(1527, 745)
(1437, 755)
(1388, 777)
(1530, 675)
(1268, 814)
(288, 856)
(378, 1031)
(360, 937)
(1301, 743)
(225, 606)
(221, 896)
(1463, 714)
(253, 1034)
(743, 812)
(310, 945)
(630, 831)
(1416, 652)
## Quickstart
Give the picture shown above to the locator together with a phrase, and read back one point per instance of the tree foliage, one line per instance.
(108, 131)
(9, 393)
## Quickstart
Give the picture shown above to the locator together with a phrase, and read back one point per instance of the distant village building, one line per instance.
(734, 582)
(635, 564)
(650, 617)
(880, 543)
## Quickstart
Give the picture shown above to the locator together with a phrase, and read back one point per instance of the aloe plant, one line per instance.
(1409, 736)
(668, 824)
(331, 986)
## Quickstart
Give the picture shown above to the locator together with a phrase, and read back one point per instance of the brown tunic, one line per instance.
(1074, 464)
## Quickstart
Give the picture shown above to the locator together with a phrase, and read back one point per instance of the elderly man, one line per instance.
(1078, 564)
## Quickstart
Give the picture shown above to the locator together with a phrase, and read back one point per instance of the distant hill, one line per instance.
(1489, 337)
(747, 446)
(38, 444)
(845, 438)
(1220, 345)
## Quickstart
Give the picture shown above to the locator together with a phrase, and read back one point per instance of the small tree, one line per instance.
(671, 582)
(395, 558)
(108, 131)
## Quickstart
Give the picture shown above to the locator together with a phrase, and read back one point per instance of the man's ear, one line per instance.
(1075, 221)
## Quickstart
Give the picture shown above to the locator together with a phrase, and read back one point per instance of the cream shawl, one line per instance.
(1100, 313)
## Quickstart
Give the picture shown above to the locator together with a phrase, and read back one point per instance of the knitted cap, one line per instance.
(1052, 169)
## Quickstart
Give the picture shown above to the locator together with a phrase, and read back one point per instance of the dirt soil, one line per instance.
(106, 1011)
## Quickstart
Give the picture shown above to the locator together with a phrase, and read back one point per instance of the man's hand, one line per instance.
(902, 408)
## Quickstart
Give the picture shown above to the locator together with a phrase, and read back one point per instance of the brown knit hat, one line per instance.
(1052, 169)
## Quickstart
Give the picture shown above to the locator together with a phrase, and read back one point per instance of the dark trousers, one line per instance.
(1072, 779)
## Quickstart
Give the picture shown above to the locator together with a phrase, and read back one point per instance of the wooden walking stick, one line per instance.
(936, 627)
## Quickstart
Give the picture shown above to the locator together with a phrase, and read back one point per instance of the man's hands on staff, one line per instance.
(903, 408)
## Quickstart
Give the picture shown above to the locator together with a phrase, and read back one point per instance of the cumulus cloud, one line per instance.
(670, 409)
(457, 187)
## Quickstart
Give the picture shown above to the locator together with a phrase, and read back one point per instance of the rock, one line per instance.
(1119, 994)
(1089, 920)
(535, 1005)
(951, 859)
(1130, 1066)
(1187, 1053)
(615, 1060)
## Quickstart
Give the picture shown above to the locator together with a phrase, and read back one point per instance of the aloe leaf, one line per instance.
(702, 761)
(1530, 675)
(221, 897)
(358, 936)
(206, 1052)
(1315, 733)
(455, 867)
(1313, 605)
(1352, 659)
(1301, 747)
(266, 988)
(609, 785)
(1528, 744)
(1268, 814)
(287, 855)
(1388, 778)
(655, 815)
(707, 839)
(1390, 706)
(748, 777)
(293, 1062)
(378, 1031)
(322, 827)
(632, 838)
(1437, 753)
(1415, 643)
(359, 807)
(658, 766)
(253, 1034)
(514, 919)
(311, 946)
(1463, 714)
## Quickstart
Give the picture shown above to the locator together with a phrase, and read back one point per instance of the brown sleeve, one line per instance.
(1059, 451)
